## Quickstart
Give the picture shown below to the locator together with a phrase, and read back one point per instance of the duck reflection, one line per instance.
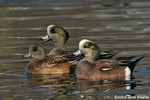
(58, 86)
(64, 85)
(57, 80)
(107, 89)
(112, 85)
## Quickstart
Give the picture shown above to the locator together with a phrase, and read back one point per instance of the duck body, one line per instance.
(100, 70)
(44, 67)
(41, 63)
(90, 67)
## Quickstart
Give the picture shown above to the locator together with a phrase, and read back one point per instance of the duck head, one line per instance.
(36, 52)
(57, 34)
(89, 49)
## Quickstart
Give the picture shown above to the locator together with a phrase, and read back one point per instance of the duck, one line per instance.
(60, 36)
(41, 63)
(92, 68)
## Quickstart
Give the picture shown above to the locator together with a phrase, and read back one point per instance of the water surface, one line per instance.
(122, 25)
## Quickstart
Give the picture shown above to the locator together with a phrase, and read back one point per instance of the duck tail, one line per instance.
(133, 63)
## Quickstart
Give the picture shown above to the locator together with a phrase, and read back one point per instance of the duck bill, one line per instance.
(45, 39)
(26, 55)
(77, 53)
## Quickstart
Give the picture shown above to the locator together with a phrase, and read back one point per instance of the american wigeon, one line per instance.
(91, 68)
(60, 37)
(43, 64)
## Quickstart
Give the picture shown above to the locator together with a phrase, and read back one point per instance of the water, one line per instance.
(112, 24)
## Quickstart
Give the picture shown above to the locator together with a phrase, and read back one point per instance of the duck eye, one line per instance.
(35, 48)
(85, 46)
(53, 30)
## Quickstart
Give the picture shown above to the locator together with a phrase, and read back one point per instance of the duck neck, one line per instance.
(40, 57)
(59, 45)
(59, 42)
(57, 50)
(92, 57)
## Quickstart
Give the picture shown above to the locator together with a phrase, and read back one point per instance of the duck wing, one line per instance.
(106, 64)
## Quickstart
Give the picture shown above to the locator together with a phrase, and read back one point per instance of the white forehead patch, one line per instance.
(50, 27)
(82, 42)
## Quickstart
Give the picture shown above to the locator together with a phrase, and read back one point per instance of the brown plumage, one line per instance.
(43, 64)
(91, 68)
(87, 70)
(36, 67)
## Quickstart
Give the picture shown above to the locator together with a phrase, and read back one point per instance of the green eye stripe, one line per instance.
(92, 46)
(60, 31)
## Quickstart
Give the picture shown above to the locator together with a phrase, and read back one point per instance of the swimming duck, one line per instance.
(91, 68)
(43, 64)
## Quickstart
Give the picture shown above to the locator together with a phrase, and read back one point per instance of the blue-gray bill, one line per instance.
(78, 52)
(44, 37)
(26, 55)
